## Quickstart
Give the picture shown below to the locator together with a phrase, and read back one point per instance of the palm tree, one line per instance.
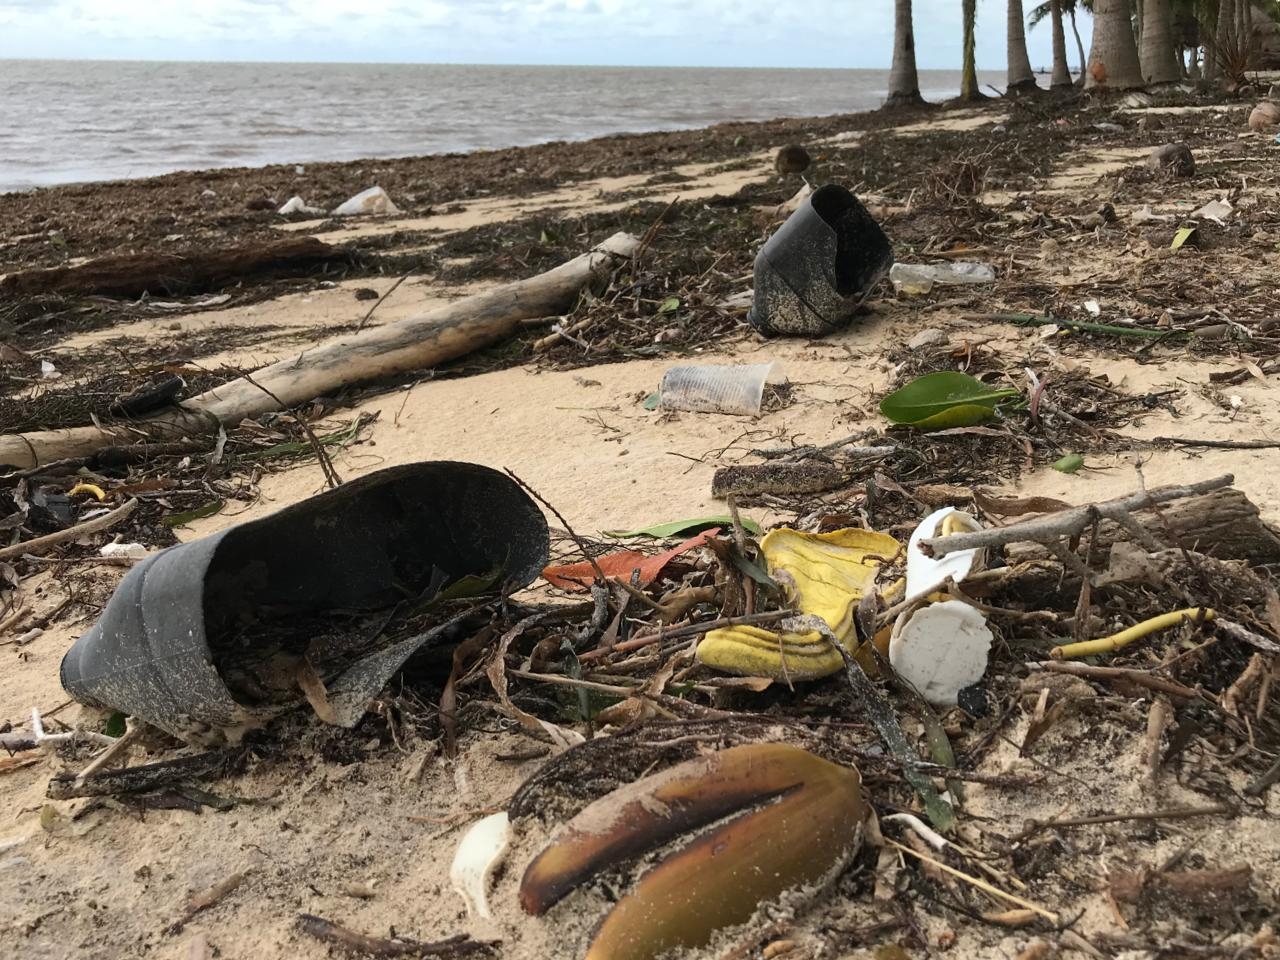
(969, 75)
(1019, 78)
(1061, 73)
(1045, 9)
(904, 81)
(1158, 57)
(1113, 59)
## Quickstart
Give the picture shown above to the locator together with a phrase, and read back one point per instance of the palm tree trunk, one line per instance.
(1079, 46)
(1159, 62)
(1226, 23)
(1019, 78)
(904, 80)
(969, 77)
(1113, 60)
(1247, 7)
(1061, 73)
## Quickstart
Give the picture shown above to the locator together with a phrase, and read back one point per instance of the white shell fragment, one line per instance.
(925, 574)
(480, 853)
(123, 551)
(373, 200)
(941, 649)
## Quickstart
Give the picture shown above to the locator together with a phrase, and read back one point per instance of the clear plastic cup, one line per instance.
(716, 388)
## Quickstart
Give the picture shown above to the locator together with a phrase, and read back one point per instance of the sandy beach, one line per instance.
(359, 826)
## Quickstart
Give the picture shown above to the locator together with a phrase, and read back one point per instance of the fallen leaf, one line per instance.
(578, 576)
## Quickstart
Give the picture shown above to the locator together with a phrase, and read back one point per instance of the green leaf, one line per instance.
(199, 513)
(670, 305)
(684, 528)
(115, 725)
(943, 399)
(1070, 463)
(548, 237)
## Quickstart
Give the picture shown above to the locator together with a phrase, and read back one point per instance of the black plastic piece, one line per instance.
(363, 548)
(814, 273)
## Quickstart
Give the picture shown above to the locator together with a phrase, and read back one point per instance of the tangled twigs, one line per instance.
(1069, 523)
(458, 945)
(96, 525)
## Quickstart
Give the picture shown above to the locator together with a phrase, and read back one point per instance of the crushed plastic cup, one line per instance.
(917, 278)
(717, 388)
(371, 201)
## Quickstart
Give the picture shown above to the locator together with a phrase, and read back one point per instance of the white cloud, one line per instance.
(822, 33)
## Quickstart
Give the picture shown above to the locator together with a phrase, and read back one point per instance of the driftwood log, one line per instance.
(415, 343)
(171, 274)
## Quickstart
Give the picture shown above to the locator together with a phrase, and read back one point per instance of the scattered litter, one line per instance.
(717, 388)
(123, 551)
(940, 649)
(188, 641)
(824, 577)
(1146, 216)
(48, 371)
(1109, 127)
(921, 278)
(371, 201)
(1219, 211)
(925, 573)
(817, 269)
(1093, 308)
(298, 205)
(481, 852)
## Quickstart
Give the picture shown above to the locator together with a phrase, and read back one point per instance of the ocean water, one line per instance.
(69, 121)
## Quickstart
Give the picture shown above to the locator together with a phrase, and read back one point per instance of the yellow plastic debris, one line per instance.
(824, 575)
(827, 574)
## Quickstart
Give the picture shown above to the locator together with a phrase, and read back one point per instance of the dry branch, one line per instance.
(1056, 527)
(132, 275)
(96, 525)
(435, 337)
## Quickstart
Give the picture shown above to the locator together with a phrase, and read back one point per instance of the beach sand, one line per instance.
(359, 827)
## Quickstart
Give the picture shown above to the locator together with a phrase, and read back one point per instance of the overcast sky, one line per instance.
(781, 33)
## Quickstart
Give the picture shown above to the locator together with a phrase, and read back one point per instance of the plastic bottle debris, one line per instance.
(298, 205)
(918, 278)
(716, 388)
(371, 201)
(48, 371)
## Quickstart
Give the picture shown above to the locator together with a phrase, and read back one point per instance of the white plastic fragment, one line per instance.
(298, 205)
(1093, 308)
(924, 573)
(371, 201)
(48, 371)
(123, 551)
(1219, 211)
(481, 851)
(941, 649)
